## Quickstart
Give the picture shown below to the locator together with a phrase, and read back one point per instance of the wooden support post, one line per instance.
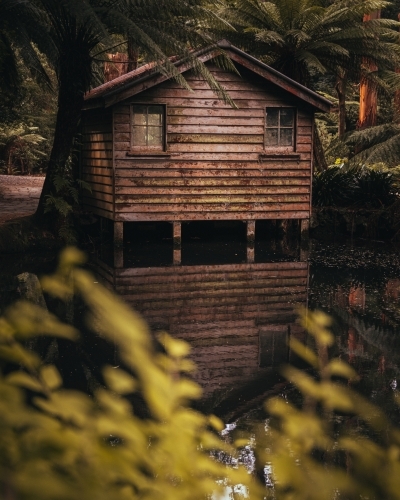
(177, 234)
(118, 257)
(177, 242)
(304, 239)
(251, 236)
(251, 231)
(250, 253)
(177, 257)
(305, 228)
(118, 234)
(118, 244)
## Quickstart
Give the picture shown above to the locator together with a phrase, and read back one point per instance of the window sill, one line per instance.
(283, 155)
(149, 154)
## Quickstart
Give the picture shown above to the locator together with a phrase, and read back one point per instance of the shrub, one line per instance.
(61, 444)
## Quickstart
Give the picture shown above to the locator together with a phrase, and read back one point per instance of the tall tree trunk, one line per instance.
(340, 87)
(396, 103)
(133, 55)
(70, 102)
(368, 92)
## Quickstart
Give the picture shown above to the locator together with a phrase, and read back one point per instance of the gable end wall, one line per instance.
(214, 170)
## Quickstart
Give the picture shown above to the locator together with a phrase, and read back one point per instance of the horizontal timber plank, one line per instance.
(251, 191)
(214, 138)
(202, 275)
(97, 146)
(122, 127)
(213, 102)
(220, 129)
(304, 121)
(282, 205)
(201, 182)
(219, 74)
(97, 128)
(214, 156)
(217, 169)
(100, 187)
(255, 92)
(232, 269)
(203, 148)
(103, 205)
(122, 117)
(100, 179)
(216, 148)
(304, 139)
(96, 195)
(105, 164)
(97, 210)
(197, 297)
(97, 137)
(208, 201)
(182, 306)
(191, 216)
(164, 290)
(303, 148)
(216, 121)
(177, 111)
(304, 130)
(97, 155)
(236, 85)
(100, 172)
(225, 312)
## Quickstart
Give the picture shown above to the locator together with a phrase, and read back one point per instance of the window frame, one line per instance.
(280, 148)
(149, 150)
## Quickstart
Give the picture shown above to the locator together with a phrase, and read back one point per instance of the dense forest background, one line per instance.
(52, 52)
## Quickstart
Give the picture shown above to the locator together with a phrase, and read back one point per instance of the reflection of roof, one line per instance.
(149, 75)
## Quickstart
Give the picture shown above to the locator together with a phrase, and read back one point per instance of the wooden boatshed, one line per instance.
(237, 317)
(154, 151)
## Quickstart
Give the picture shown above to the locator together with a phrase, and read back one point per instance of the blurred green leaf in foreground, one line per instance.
(58, 444)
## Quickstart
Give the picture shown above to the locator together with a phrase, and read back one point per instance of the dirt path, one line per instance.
(19, 196)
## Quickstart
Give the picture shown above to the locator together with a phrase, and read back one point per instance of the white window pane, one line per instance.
(139, 136)
(271, 137)
(155, 136)
(139, 115)
(155, 115)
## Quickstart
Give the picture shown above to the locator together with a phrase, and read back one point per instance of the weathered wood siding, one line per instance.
(216, 168)
(97, 162)
(234, 316)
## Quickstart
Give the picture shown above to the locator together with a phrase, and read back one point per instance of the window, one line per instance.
(148, 127)
(279, 128)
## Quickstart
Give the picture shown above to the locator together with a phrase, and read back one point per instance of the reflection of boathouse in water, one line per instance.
(237, 317)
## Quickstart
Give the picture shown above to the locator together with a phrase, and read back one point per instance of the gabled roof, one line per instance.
(147, 76)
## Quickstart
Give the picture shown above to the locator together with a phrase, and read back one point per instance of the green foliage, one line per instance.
(354, 186)
(20, 148)
(333, 187)
(63, 444)
(64, 200)
(312, 457)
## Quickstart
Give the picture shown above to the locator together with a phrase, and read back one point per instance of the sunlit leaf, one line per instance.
(175, 347)
(119, 380)
(23, 379)
(339, 368)
(51, 376)
(303, 352)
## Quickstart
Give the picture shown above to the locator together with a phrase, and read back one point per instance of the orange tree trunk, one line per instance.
(368, 92)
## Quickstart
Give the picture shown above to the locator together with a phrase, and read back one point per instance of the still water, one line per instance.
(238, 315)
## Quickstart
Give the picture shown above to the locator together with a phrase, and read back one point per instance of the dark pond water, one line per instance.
(238, 315)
